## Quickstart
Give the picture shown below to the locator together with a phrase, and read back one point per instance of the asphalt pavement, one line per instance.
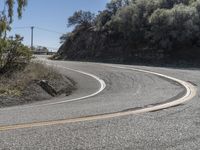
(126, 90)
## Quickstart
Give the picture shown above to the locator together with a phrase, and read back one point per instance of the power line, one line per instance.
(48, 30)
(40, 28)
(22, 27)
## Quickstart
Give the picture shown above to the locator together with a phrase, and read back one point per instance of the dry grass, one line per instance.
(13, 84)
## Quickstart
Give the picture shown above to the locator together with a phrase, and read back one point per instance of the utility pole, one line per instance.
(32, 37)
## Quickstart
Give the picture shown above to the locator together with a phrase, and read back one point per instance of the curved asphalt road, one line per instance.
(126, 90)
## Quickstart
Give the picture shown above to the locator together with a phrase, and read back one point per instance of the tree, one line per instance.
(13, 54)
(102, 19)
(115, 5)
(65, 37)
(6, 17)
(160, 27)
(171, 3)
(171, 28)
(136, 28)
(123, 21)
(81, 18)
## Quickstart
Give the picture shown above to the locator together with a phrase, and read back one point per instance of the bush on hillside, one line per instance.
(131, 30)
(13, 54)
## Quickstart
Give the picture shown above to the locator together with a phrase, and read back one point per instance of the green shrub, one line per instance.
(13, 54)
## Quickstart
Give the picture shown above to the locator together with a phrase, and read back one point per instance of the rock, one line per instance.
(48, 88)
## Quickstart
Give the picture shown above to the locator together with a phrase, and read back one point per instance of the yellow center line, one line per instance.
(190, 93)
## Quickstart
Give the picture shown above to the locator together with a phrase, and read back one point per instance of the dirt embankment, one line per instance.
(24, 87)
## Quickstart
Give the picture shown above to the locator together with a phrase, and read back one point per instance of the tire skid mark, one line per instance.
(190, 92)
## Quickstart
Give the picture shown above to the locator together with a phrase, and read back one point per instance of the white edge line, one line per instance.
(101, 82)
(190, 93)
(190, 90)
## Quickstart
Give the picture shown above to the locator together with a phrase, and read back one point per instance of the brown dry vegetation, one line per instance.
(22, 86)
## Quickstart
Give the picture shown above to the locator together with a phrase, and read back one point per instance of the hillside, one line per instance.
(144, 31)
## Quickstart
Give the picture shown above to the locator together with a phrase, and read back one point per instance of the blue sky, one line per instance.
(52, 15)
